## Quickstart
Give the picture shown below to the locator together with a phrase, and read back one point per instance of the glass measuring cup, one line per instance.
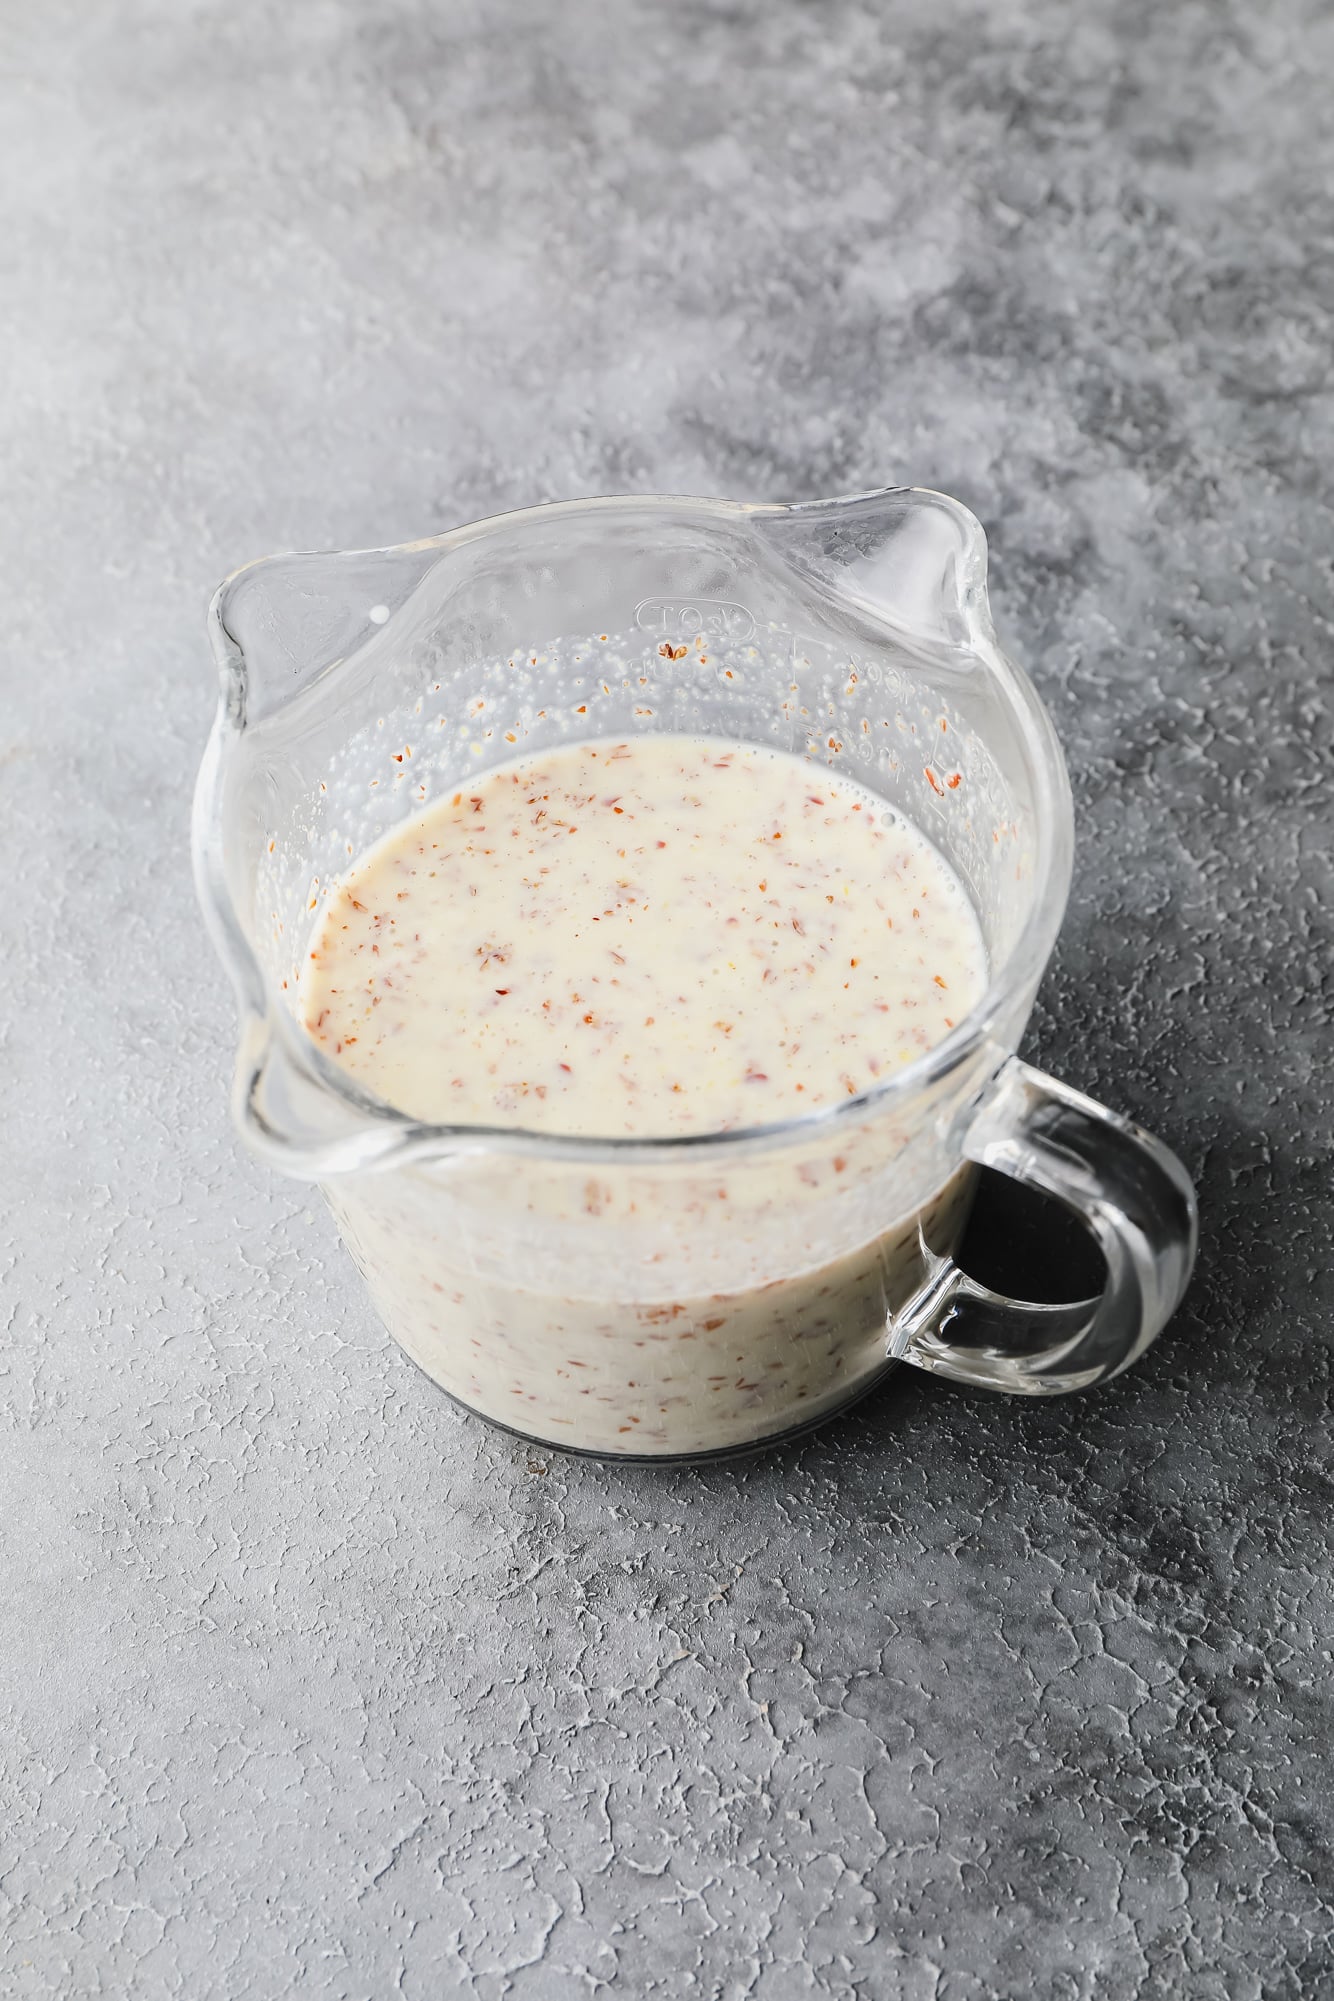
(667, 1298)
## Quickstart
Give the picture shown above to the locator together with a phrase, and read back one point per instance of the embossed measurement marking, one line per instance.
(684, 618)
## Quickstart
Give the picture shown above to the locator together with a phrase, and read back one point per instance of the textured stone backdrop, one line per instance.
(310, 1686)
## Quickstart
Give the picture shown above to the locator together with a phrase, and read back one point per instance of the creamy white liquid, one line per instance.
(664, 936)
(667, 935)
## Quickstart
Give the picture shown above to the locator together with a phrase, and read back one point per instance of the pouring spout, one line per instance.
(910, 556)
(278, 623)
(291, 1118)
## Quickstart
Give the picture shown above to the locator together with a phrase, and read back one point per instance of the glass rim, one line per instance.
(381, 1134)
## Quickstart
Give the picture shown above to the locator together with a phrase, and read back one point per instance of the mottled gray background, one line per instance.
(309, 1685)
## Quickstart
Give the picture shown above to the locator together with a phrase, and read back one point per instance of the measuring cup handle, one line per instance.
(1129, 1191)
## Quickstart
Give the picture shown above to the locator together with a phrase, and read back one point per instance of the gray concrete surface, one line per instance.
(311, 1686)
